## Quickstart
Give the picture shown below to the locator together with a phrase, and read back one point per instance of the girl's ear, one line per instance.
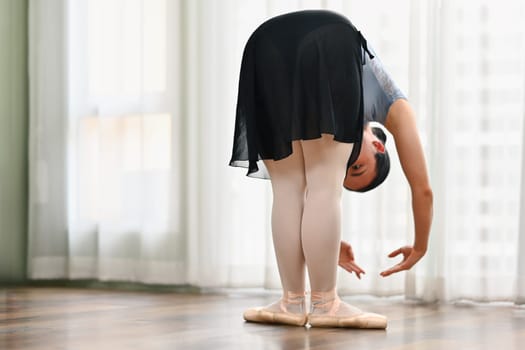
(379, 146)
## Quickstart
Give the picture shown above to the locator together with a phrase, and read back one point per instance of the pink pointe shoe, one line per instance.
(329, 311)
(290, 310)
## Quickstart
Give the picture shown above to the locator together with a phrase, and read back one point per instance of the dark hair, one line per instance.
(382, 163)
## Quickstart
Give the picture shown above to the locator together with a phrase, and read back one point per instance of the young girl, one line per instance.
(309, 85)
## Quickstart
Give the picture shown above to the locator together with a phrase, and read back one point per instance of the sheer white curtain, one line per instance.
(132, 114)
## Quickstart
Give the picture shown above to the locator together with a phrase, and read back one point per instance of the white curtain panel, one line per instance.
(132, 111)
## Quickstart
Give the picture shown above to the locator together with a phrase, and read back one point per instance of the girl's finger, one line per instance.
(395, 253)
(358, 268)
(394, 269)
(347, 267)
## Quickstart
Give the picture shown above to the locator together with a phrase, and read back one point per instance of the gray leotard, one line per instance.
(379, 90)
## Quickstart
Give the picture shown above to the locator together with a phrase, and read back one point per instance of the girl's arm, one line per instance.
(401, 123)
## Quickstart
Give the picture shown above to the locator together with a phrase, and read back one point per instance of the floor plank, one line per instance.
(67, 318)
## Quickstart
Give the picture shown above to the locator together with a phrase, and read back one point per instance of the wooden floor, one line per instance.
(66, 318)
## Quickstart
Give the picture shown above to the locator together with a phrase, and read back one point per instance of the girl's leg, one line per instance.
(288, 187)
(325, 168)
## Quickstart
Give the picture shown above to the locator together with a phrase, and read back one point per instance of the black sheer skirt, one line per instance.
(300, 76)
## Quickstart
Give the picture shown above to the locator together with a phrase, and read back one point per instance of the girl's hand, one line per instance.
(410, 258)
(346, 260)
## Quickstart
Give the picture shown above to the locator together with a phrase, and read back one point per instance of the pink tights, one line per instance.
(306, 219)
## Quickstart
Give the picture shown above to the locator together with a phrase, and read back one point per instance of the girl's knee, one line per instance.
(324, 193)
(292, 189)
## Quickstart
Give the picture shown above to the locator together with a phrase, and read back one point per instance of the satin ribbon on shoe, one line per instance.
(265, 314)
(327, 310)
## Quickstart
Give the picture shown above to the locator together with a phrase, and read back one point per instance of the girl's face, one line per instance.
(363, 171)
